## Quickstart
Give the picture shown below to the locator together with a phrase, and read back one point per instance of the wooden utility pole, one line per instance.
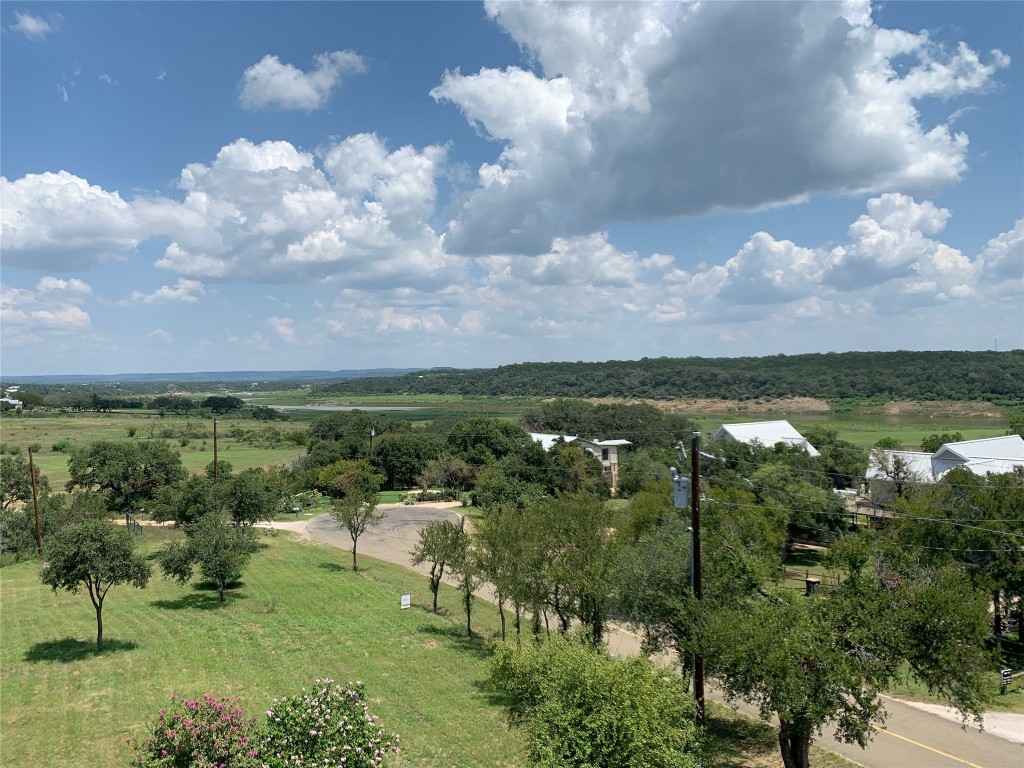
(35, 502)
(214, 450)
(698, 662)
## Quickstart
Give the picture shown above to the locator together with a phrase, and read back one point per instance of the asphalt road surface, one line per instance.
(911, 738)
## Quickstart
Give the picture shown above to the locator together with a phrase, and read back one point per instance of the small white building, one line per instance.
(12, 403)
(607, 451)
(766, 433)
(995, 455)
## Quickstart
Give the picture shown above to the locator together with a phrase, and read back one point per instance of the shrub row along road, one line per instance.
(911, 738)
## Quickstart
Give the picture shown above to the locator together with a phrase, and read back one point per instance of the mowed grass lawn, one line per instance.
(299, 614)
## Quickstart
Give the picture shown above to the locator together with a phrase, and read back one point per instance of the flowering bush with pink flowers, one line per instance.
(329, 725)
(205, 733)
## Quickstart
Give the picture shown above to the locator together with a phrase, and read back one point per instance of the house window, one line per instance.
(604, 454)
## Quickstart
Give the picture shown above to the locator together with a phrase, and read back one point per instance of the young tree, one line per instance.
(95, 554)
(220, 549)
(577, 470)
(465, 567)
(581, 549)
(186, 503)
(356, 511)
(437, 545)
(336, 478)
(247, 498)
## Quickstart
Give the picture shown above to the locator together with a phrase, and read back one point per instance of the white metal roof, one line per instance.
(995, 455)
(767, 433)
(917, 464)
(1008, 447)
(547, 439)
(994, 466)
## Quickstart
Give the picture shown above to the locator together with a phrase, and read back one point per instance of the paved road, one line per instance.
(911, 738)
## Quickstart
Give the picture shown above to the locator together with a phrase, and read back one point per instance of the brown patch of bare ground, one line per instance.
(704, 405)
(941, 408)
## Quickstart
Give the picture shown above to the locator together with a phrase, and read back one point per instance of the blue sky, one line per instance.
(219, 186)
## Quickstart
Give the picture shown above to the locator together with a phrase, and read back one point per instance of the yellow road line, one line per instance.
(924, 746)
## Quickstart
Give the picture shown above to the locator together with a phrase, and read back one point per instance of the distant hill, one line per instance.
(209, 376)
(991, 376)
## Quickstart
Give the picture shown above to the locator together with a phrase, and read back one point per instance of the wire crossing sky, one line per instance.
(284, 186)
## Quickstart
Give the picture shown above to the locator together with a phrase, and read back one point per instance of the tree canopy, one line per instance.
(220, 550)
(994, 376)
(129, 472)
(578, 707)
(16, 481)
(94, 554)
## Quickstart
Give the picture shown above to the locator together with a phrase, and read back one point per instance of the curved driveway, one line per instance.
(912, 738)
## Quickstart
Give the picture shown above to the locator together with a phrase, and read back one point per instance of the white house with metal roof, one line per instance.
(766, 433)
(995, 455)
(607, 451)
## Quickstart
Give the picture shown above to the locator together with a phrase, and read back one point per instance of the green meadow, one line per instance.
(47, 429)
(299, 614)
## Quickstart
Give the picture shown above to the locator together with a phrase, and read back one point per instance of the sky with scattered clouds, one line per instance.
(284, 186)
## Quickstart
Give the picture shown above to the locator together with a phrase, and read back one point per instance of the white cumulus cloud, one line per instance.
(185, 291)
(645, 111)
(52, 308)
(271, 83)
(264, 212)
(55, 285)
(59, 221)
(891, 262)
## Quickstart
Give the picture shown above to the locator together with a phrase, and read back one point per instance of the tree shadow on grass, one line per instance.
(456, 637)
(70, 649)
(202, 598)
(733, 738)
(492, 694)
(335, 568)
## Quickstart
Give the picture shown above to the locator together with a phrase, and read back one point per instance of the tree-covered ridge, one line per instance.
(995, 376)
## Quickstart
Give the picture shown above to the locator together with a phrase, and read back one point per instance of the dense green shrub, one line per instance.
(579, 707)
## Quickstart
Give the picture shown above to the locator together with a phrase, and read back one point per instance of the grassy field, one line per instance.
(300, 614)
(48, 429)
